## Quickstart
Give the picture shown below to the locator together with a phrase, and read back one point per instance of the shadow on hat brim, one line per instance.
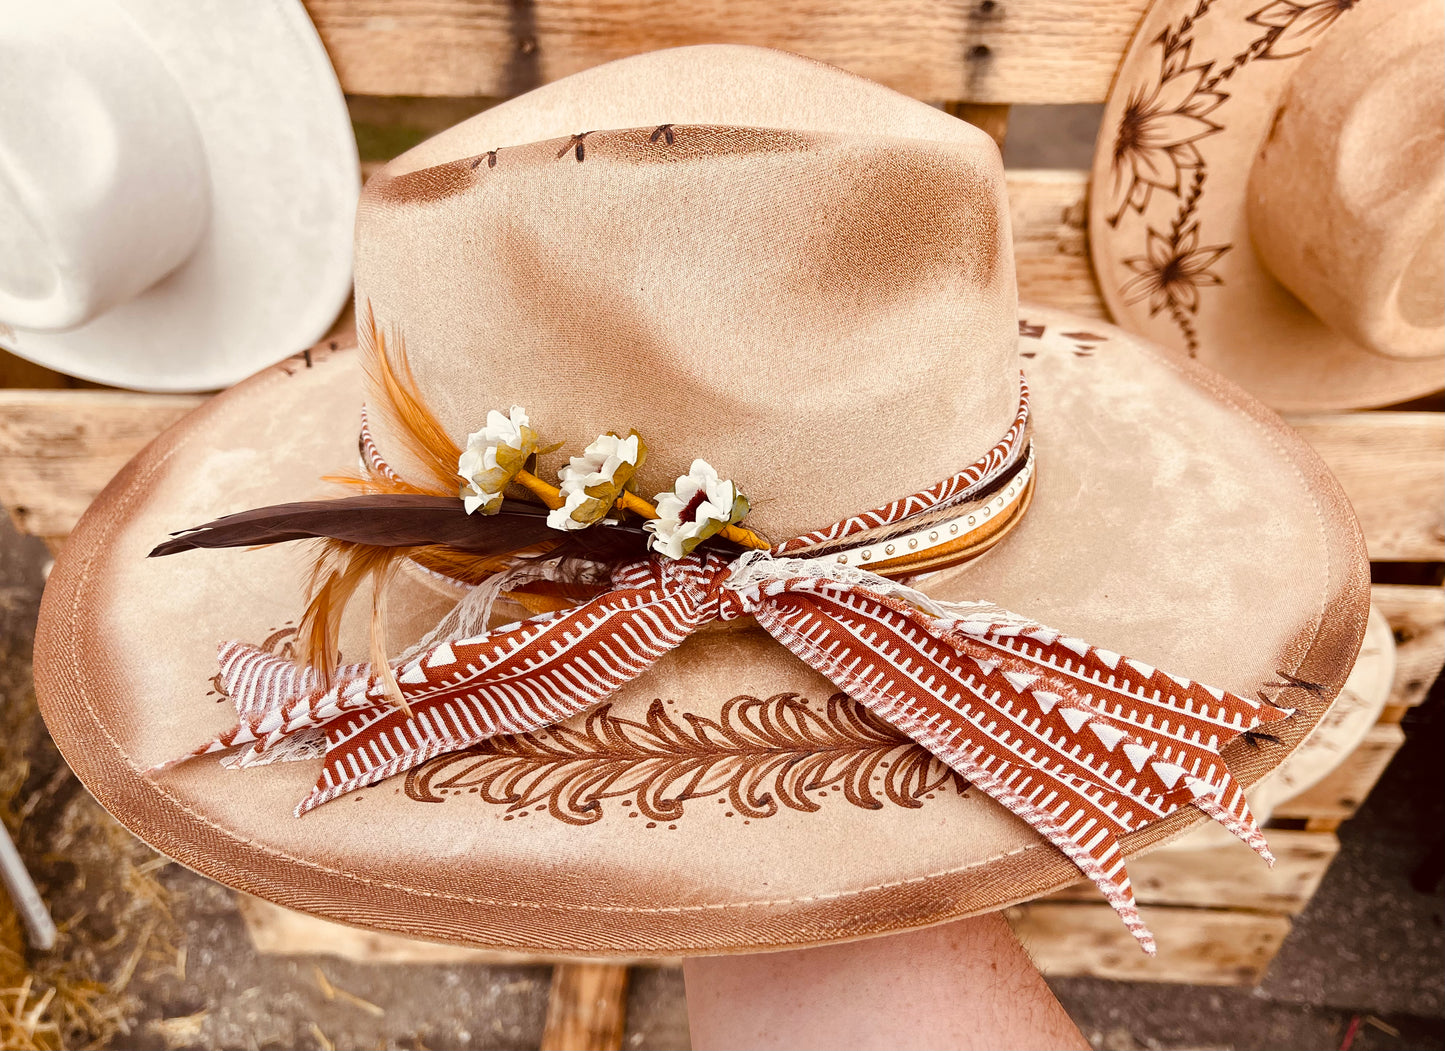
(1177, 265)
(1175, 520)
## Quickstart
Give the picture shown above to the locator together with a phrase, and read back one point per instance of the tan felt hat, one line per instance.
(1268, 195)
(807, 280)
(1330, 744)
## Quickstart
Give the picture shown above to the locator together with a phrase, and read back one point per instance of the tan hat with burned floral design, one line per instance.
(1269, 195)
(685, 480)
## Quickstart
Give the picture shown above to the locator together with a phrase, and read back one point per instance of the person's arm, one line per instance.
(957, 986)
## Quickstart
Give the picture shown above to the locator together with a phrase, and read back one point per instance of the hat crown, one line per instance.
(798, 276)
(103, 181)
(1346, 196)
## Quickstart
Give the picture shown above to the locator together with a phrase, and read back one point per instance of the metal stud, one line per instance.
(843, 560)
(986, 512)
(973, 520)
(953, 528)
(888, 550)
(867, 554)
(933, 535)
(913, 542)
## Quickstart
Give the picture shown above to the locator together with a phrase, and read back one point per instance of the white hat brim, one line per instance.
(272, 270)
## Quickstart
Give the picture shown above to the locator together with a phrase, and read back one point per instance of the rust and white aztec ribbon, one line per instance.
(1082, 743)
(957, 487)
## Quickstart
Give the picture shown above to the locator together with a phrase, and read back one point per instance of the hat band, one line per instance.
(990, 497)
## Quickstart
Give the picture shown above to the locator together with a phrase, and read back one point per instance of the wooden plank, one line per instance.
(991, 119)
(1051, 252)
(1339, 794)
(58, 448)
(986, 51)
(387, 127)
(17, 372)
(283, 932)
(1417, 616)
(1390, 464)
(586, 1008)
(1206, 872)
(1196, 946)
(280, 931)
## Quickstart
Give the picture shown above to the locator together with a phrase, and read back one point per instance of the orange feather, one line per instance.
(401, 405)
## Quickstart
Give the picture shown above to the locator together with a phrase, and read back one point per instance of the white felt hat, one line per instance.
(177, 188)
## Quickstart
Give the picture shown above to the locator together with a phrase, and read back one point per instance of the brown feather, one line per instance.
(400, 520)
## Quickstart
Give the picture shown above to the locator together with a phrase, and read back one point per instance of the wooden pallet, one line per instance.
(412, 67)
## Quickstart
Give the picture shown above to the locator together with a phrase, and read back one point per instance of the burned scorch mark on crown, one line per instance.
(663, 143)
(426, 185)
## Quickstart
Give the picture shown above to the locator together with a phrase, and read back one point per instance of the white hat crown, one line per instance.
(104, 188)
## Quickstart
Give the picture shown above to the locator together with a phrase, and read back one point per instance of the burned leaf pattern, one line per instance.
(759, 758)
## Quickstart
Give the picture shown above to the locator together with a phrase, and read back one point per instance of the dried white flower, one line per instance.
(493, 457)
(592, 482)
(700, 505)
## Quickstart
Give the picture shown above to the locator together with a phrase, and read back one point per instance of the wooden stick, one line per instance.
(586, 1008)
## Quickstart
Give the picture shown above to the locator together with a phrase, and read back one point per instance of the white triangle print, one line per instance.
(1047, 700)
(987, 667)
(1138, 755)
(1200, 787)
(1075, 717)
(412, 674)
(1146, 670)
(442, 655)
(1020, 681)
(1109, 735)
(1109, 657)
(1169, 773)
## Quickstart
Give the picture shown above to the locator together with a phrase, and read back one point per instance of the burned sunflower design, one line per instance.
(1172, 271)
(1155, 142)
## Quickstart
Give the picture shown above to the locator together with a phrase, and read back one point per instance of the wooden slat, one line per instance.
(992, 119)
(58, 448)
(1051, 251)
(1390, 464)
(1196, 946)
(986, 51)
(1339, 794)
(17, 372)
(586, 1008)
(1417, 616)
(285, 932)
(278, 931)
(1227, 875)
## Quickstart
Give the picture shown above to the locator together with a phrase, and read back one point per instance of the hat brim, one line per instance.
(1168, 229)
(273, 268)
(1174, 520)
